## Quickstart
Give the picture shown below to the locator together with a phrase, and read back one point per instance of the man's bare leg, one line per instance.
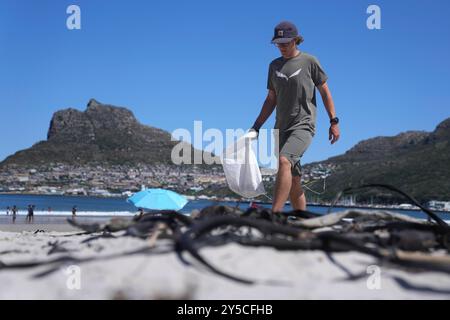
(297, 195)
(282, 185)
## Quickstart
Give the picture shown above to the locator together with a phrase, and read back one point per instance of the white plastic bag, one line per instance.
(241, 168)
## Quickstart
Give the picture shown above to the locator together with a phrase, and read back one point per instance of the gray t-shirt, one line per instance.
(294, 81)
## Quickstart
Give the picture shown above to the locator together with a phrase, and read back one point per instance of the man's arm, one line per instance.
(329, 105)
(266, 110)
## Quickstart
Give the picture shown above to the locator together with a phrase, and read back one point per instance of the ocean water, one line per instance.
(107, 207)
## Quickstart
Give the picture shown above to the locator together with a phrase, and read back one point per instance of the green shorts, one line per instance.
(292, 145)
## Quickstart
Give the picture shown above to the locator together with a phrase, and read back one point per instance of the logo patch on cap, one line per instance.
(280, 33)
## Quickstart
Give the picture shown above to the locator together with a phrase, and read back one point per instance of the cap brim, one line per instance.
(282, 40)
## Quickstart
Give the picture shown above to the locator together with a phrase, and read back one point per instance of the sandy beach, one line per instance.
(279, 274)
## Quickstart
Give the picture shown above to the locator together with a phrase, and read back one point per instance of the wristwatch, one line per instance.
(335, 120)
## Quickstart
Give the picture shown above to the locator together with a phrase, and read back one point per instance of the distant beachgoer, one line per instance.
(7, 211)
(141, 212)
(74, 211)
(30, 215)
(49, 210)
(14, 212)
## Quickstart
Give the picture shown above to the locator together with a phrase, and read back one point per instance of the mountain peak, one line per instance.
(444, 124)
(93, 103)
(442, 131)
(378, 146)
(70, 123)
(102, 133)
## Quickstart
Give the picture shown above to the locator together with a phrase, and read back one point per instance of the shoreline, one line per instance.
(237, 200)
(204, 198)
(54, 214)
(414, 208)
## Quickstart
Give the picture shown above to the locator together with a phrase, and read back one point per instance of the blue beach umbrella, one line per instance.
(158, 199)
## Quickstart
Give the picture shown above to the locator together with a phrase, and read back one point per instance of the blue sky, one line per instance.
(173, 62)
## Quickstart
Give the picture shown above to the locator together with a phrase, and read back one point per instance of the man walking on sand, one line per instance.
(292, 81)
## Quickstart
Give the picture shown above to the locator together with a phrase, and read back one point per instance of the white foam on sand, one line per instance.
(302, 274)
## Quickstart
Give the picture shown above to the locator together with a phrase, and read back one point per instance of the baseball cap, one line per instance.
(284, 32)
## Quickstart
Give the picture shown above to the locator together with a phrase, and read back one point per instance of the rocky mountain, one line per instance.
(103, 134)
(418, 162)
